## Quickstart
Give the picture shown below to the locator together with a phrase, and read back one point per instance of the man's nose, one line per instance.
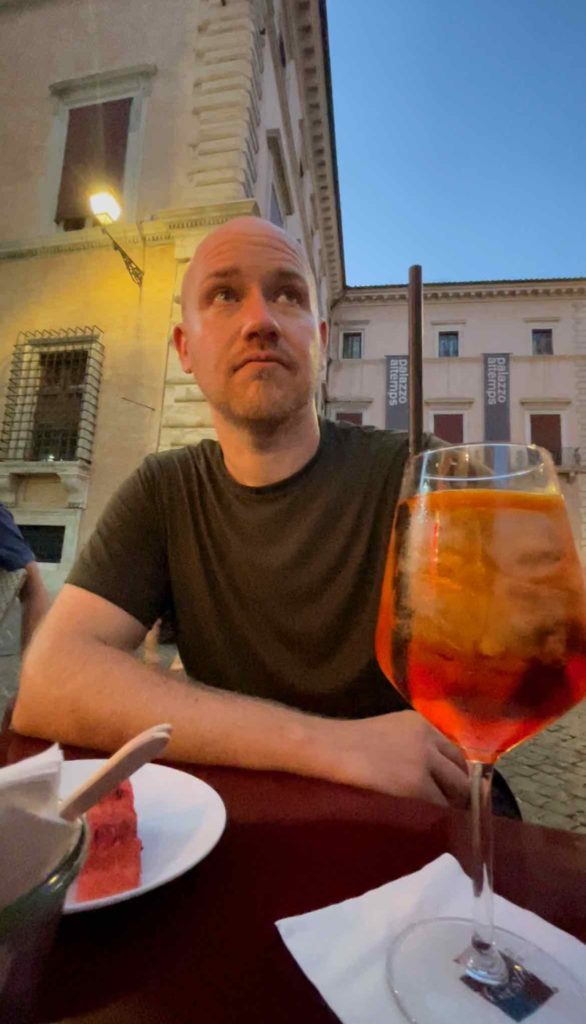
(259, 322)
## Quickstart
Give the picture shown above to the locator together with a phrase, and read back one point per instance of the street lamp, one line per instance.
(106, 210)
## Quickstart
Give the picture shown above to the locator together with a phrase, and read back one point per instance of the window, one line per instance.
(58, 405)
(52, 396)
(282, 51)
(542, 341)
(546, 431)
(352, 345)
(449, 426)
(448, 343)
(45, 542)
(94, 158)
(275, 215)
(349, 417)
(96, 141)
(280, 201)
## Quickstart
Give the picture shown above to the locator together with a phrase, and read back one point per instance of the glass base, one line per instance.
(426, 965)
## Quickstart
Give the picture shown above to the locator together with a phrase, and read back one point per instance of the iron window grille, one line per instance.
(52, 396)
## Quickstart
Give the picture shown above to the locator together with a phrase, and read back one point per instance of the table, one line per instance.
(204, 947)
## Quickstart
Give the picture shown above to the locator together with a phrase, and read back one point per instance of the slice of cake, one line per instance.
(113, 861)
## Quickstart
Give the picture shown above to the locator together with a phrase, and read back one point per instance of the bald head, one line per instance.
(227, 240)
(251, 335)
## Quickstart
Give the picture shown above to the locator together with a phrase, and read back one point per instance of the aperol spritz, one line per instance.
(482, 627)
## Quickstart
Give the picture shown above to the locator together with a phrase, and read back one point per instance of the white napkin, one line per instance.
(342, 948)
(33, 838)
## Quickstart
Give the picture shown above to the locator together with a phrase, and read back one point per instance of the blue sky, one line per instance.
(461, 137)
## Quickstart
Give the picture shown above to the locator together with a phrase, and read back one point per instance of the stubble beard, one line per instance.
(266, 407)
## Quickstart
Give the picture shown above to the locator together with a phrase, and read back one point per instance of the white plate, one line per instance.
(180, 819)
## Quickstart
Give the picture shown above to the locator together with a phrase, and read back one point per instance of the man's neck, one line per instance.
(258, 458)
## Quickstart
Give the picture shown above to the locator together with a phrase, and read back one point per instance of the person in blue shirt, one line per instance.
(15, 554)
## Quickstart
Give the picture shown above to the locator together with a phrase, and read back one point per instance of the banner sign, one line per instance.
(497, 416)
(397, 393)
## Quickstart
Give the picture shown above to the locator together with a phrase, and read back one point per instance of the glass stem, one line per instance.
(484, 962)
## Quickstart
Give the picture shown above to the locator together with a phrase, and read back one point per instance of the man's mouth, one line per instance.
(258, 359)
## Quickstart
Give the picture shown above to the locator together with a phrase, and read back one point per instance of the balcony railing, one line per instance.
(567, 458)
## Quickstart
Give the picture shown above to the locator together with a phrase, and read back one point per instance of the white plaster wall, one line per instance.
(484, 326)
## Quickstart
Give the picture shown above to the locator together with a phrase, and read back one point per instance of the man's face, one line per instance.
(250, 334)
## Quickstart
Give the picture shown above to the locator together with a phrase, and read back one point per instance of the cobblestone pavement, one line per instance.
(547, 774)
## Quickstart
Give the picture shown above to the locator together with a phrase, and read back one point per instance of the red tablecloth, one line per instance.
(204, 947)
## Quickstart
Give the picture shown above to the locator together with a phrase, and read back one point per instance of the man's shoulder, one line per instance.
(363, 441)
(179, 461)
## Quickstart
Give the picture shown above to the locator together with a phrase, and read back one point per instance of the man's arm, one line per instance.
(81, 685)
(34, 602)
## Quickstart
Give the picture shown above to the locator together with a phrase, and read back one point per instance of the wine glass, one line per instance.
(482, 628)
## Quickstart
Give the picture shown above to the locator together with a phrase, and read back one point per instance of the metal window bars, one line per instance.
(52, 396)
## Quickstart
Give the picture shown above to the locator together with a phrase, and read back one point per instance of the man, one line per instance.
(20, 575)
(270, 547)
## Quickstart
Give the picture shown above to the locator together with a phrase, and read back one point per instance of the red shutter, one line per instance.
(449, 426)
(349, 417)
(95, 152)
(546, 431)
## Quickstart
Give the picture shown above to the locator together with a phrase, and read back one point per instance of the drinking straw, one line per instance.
(415, 304)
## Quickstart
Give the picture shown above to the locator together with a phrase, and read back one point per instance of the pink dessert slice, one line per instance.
(113, 861)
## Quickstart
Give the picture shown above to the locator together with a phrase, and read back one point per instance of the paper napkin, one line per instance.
(33, 839)
(342, 948)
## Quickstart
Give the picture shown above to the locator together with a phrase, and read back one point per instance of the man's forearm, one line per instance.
(82, 685)
(97, 696)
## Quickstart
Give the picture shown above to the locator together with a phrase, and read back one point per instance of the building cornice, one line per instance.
(163, 228)
(167, 225)
(320, 141)
(468, 291)
(531, 360)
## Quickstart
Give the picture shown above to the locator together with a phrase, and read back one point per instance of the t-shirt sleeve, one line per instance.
(125, 560)
(14, 551)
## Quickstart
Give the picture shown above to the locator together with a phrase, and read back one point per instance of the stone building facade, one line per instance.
(203, 110)
(206, 109)
(535, 329)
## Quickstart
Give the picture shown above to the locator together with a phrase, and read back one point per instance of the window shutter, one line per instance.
(449, 426)
(349, 417)
(95, 152)
(546, 431)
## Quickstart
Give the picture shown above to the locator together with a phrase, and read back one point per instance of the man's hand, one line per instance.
(401, 754)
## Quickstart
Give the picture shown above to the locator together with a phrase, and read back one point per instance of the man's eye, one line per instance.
(288, 295)
(223, 295)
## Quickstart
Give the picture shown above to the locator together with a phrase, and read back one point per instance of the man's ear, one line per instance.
(180, 342)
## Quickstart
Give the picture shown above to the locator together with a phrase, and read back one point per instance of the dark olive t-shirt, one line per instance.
(274, 590)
